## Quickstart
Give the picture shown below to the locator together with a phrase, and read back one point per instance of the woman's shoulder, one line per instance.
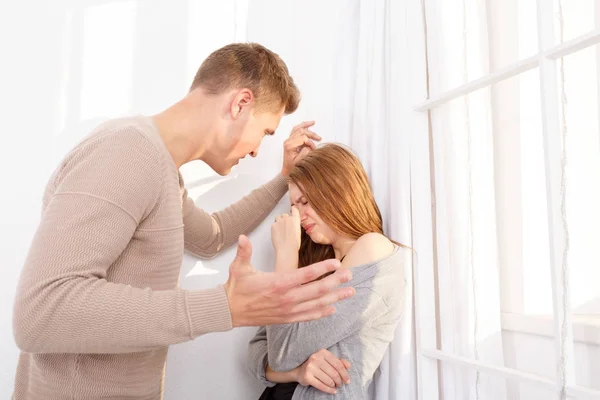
(367, 249)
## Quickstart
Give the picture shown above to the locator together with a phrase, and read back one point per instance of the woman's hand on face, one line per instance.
(323, 371)
(285, 236)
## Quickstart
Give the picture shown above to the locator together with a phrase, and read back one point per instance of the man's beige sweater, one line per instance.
(98, 301)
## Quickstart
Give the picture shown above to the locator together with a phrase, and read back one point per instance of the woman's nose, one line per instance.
(302, 214)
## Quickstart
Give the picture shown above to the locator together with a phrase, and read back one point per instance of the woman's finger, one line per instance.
(317, 383)
(295, 212)
(347, 363)
(339, 367)
(330, 371)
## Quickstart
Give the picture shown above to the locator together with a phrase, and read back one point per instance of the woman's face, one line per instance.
(314, 226)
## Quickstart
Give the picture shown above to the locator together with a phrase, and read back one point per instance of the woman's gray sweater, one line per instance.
(360, 331)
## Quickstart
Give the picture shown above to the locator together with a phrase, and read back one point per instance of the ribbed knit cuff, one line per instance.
(277, 187)
(209, 311)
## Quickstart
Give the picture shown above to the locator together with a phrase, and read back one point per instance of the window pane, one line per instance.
(574, 18)
(578, 80)
(468, 39)
(491, 221)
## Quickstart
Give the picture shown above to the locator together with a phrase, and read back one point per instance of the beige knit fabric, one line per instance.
(98, 304)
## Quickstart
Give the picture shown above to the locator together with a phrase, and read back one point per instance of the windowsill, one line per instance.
(586, 329)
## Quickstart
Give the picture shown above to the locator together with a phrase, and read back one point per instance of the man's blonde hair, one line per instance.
(252, 66)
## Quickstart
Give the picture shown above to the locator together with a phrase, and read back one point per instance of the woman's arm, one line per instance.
(281, 377)
(290, 345)
(323, 370)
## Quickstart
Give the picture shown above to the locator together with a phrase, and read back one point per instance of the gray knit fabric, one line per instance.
(360, 331)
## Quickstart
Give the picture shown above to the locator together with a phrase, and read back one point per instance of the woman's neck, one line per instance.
(341, 246)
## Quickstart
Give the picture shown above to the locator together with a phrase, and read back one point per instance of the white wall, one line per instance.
(29, 71)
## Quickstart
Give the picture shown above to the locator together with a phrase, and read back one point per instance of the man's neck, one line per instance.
(184, 136)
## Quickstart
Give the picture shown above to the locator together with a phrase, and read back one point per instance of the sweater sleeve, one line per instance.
(64, 303)
(206, 235)
(257, 356)
(290, 345)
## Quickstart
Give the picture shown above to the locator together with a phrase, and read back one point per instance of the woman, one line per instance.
(334, 215)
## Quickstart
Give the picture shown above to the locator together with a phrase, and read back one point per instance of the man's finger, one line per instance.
(323, 301)
(309, 133)
(320, 288)
(296, 142)
(286, 281)
(304, 317)
(241, 262)
(303, 125)
(310, 143)
(303, 153)
(312, 135)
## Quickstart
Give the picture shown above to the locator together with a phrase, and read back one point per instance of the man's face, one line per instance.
(245, 135)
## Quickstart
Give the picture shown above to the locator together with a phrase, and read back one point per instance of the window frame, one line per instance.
(423, 215)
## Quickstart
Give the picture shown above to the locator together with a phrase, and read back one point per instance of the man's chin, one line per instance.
(224, 171)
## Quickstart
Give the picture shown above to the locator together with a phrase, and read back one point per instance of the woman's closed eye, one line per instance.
(301, 202)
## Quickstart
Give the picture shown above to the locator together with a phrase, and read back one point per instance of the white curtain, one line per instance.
(463, 159)
(492, 228)
(371, 81)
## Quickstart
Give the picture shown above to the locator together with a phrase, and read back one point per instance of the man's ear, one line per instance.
(241, 102)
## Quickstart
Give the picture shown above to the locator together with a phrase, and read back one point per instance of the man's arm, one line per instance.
(208, 234)
(64, 302)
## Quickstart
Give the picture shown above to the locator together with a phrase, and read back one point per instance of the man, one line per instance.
(98, 303)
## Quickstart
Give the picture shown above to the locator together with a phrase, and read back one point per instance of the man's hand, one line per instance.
(286, 236)
(258, 298)
(323, 371)
(298, 145)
